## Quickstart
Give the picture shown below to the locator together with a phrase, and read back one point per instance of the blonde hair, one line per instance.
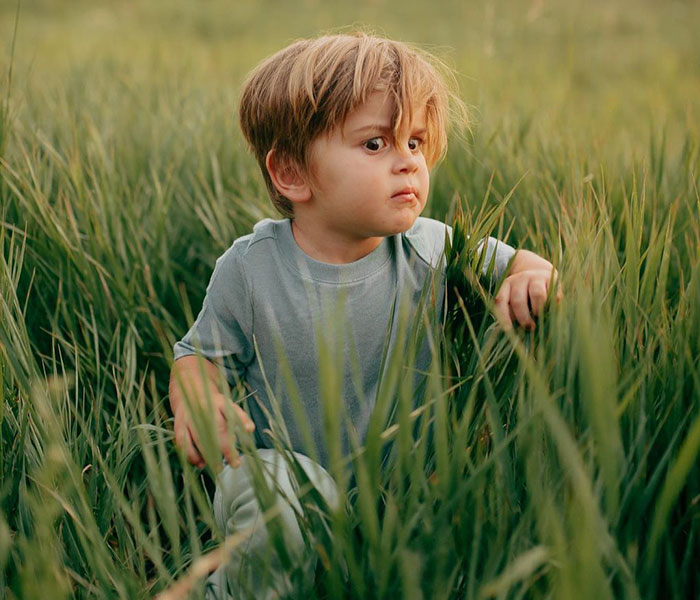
(310, 87)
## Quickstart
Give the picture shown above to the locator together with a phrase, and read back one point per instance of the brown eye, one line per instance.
(375, 144)
(414, 143)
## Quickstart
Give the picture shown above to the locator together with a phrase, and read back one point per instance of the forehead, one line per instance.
(380, 110)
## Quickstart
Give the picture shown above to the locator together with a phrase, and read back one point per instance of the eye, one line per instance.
(414, 143)
(375, 144)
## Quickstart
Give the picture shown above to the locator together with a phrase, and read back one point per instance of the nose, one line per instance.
(405, 160)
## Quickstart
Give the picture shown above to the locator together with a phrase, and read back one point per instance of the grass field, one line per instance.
(557, 464)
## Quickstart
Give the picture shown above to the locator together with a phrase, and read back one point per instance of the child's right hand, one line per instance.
(186, 436)
(187, 372)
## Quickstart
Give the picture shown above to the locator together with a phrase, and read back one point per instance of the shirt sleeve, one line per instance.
(497, 258)
(222, 332)
(427, 237)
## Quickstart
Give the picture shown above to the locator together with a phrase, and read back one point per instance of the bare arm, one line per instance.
(192, 380)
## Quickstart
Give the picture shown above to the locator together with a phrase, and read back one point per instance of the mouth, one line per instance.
(407, 194)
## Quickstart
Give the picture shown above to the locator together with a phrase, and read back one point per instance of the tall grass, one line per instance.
(557, 463)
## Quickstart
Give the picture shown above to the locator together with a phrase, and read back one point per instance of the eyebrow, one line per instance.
(383, 129)
(371, 128)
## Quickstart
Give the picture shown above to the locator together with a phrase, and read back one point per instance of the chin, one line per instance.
(396, 230)
(399, 224)
(404, 225)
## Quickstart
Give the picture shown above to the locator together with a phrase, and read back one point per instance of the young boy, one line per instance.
(346, 129)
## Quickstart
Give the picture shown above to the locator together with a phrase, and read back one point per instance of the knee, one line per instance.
(234, 492)
(321, 480)
(238, 509)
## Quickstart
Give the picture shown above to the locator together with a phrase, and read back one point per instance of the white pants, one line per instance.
(253, 569)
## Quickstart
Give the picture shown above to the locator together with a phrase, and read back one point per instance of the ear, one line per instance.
(288, 178)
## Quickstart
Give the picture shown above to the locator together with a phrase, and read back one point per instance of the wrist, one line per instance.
(525, 260)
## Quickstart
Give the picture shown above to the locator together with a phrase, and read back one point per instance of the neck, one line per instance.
(332, 248)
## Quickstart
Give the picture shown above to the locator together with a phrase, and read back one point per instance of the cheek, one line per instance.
(425, 179)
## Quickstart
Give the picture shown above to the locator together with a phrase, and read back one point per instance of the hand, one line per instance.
(523, 296)
(186, 436)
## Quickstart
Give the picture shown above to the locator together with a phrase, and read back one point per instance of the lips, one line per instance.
(407, 194)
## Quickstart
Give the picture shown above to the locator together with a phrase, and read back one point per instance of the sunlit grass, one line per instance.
(560, 463)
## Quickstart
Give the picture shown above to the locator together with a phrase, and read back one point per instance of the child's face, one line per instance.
(363, 186)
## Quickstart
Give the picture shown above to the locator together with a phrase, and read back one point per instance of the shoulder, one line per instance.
(427, 239)
(249, 251)
(265, 230)
(247, 247)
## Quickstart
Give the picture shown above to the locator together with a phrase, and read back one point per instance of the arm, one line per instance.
(192, 379)
(524, 292)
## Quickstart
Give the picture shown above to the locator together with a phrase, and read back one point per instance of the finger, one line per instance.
(246, 421)
(501, 308)
(227, 438)
(519, 305)
(537, 291)
(192, 449)
(183, 440)
(239, 415)
(554, 284)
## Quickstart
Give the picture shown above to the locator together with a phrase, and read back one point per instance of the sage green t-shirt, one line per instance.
(272, 315)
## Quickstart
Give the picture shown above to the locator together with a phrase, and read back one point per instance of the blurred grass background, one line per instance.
(605, 66)
(557, 465)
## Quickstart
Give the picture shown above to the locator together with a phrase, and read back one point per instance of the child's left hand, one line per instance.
(524, 292)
